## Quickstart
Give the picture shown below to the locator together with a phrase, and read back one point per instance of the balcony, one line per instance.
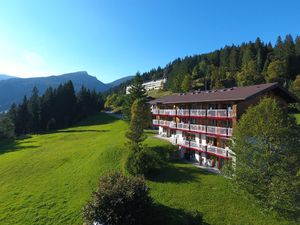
(167, 112)
(210, 113)
(172, 125)
(229, 132)
(155, 111)
(216, 150)
(197, 113)
(183, 143)
(197, 146)
(155, 122)
(183, 126)
(164, 123)
(220, 131)
(183, 112)
(198, 128)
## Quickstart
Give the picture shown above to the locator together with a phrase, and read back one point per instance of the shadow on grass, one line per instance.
(176, 174)
(97, 119)
(12, 146)
(163, 215)
(80, 131)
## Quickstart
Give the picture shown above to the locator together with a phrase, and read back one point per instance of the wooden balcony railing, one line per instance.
(183, 126)
(216, 150)
(198, 113)
(211, 113)
(197, 146)
(229, 132)
(164, 123)
(223, 131)
(155, 111)
(167, 112)
(198, 128)
(184, 143)
(155, 122)
(172, 125)
(183, 112)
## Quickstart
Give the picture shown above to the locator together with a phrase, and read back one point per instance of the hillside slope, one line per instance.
(46, 179)
(13, 90)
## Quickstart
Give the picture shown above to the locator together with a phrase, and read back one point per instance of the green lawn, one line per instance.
(46, 179)
(158, 93)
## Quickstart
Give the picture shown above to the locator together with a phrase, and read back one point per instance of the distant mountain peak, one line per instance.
(13, 90)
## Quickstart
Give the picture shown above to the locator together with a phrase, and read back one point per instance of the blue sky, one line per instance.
(111, 39)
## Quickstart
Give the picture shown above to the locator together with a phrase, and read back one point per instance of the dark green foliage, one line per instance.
(7, 128)
(56, 108)
(144, 162)
(137, 91)
(140, 117)
(119, 200)
(230, 66)
(266, 142)
(249, 75)
(115, 102)
(295, 88)
(277, 72)
(186, 83)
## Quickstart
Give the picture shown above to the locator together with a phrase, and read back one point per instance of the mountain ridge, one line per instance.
(13, 89)
(6, 77)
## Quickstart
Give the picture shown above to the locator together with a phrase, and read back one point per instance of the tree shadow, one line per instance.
(97, 119)
(163, 215)
(172, 173)
(80, 131)
(12, 146)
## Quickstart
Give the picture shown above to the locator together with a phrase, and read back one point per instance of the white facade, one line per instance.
(151, 85)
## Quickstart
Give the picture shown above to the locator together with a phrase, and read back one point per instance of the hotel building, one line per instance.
(202, 123)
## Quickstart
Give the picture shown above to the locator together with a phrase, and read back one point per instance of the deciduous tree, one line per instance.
(266, 141)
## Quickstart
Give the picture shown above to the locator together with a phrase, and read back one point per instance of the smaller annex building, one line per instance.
(201, 123)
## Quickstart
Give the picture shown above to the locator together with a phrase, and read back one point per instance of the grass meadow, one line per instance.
(47, 178)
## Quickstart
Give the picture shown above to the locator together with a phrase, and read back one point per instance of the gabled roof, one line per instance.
(226, 94)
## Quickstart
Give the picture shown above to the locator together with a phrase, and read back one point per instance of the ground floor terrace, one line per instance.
(206, 150)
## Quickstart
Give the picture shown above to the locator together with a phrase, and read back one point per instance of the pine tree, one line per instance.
(139, 120)
(137, 91)
(34, 111)
(23, 116)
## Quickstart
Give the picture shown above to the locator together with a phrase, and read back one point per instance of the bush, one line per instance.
(143, 162)
(119, 200)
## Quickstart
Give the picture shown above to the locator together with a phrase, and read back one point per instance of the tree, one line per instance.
(295, 88)
(277, 72)
(137, 91)
(119, 200)
(144, 162)
(34, 110)
(186, 83)
(7, 128)
(140, 117)
(23, 117)
(266, 142)
(249, 75)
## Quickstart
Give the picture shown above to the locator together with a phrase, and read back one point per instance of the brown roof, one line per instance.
(226, 94)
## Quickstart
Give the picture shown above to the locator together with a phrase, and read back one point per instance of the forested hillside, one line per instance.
(235, 65)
